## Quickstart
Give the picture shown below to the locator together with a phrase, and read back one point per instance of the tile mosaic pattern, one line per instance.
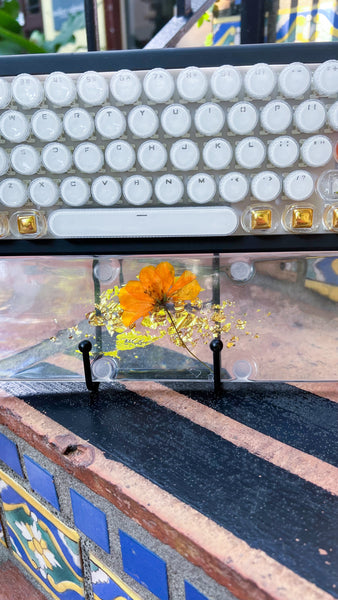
(144, 566)
(41, 481)
(107, 585)
(91, 520)
(46, 547)
(9, 454)
(191, 593)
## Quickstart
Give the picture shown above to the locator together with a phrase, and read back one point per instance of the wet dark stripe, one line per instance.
(288, 414)
(290, 519)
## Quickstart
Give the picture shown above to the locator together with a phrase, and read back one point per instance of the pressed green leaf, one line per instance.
(8, 22)
(209, 40)
(25, 44)
(11, 7)
(202, 19)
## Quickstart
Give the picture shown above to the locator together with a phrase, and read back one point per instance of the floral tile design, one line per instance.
(107, 585)
(44, 545)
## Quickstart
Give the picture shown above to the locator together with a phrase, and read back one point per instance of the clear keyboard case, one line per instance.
(153, 317)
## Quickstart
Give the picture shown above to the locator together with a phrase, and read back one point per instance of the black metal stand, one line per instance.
(85, 347)
(216, 346)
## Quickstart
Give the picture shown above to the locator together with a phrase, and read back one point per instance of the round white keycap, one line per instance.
(46, 125)
(325, 78)
(310, 116)
(106, 190)
(74, 191)
(332, 116)
(56, 158)
(43, 192)
(5, 93)
(152, 155)
(276, 116)
(192, 84)
(250, 153)
(316, 151)
(233, 187)
(217, 154)
(298, 185)
(92, 88)
(259, 81)
(110, 122)
(143, 121)
(184, 155)
(137, 190)
(125, 87)
(88, 158)
(201, 188)
(4, 162)
(266, 186)
(169, 189)
(242, 118)
(226, 83)
(120, 156)
(78, 124)
(176, 120)
(13, 193)
(27, 91)
(60, 89)
(14, 126)
(294, 80)
(25, 159)
(209, 119)
(283, 152)
(159, 85)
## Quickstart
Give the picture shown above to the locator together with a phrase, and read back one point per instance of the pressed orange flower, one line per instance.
(156, 287)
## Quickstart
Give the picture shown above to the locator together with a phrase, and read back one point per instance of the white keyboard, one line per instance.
(197, 151)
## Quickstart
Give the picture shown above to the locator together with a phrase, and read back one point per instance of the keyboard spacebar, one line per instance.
(151, 222)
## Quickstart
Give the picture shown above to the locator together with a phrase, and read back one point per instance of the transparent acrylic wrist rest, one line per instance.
(153, 317)
(165, 148)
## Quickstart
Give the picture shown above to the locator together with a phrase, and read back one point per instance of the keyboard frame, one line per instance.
(169, 58)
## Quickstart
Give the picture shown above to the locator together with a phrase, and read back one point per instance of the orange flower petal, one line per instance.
(129, 318)
(166, 272)
(182, 281)
(151, 282)
(189, 292)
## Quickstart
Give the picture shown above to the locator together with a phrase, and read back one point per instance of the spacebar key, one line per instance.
(151, 222)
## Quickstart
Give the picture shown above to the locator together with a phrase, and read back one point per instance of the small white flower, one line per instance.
(44, 557)
(75, 556)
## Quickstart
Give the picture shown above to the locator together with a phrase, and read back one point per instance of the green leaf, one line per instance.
(202, 19)
(66, 35)
(21, 41)
(8, 48)
(209, 40)
(12, 8)
(8, 22)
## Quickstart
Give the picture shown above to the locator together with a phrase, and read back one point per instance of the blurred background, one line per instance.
(59, 25)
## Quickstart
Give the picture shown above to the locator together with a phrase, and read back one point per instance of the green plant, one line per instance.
(13, 41)
(206, 18)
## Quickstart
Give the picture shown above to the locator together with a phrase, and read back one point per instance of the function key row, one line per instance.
(176, 120)
(159, 85)
(168, 189)
(152, 156)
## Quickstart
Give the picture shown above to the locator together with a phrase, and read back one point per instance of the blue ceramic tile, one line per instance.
(47, 548)
(107, 585)
(192, 594)
(41, 481)
(144, 566)
(9, 454)
(91, 520)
